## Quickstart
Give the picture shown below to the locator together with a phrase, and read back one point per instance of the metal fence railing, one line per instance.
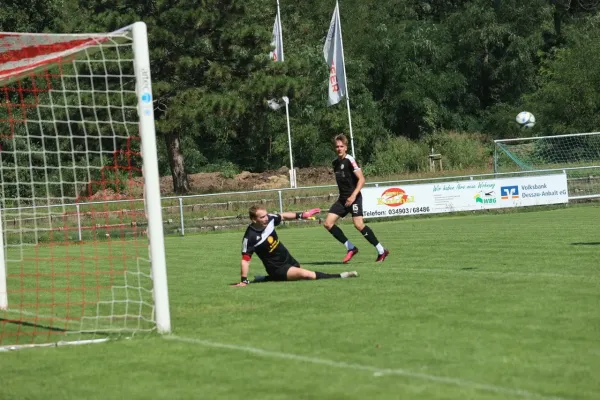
(204, 212)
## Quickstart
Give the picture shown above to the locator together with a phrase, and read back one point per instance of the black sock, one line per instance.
(338, 234)
(323, 275)
(369, 235)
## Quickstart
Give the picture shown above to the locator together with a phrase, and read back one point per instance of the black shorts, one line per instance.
(279, 273)
(339, 208)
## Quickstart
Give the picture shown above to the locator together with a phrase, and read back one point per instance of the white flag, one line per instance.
(333, 52)
(277, 42)
(274, 104)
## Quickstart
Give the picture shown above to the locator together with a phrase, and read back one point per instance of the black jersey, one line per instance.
(345, 177)
(266, 244)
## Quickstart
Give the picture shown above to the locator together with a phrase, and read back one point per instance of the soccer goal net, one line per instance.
(577, 154)
(82, 254)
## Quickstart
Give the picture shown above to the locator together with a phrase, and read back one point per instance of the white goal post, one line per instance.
(577, 154)
(78, 154)
(151, 176)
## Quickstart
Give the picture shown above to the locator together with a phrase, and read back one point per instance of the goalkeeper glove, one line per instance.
(308, 214)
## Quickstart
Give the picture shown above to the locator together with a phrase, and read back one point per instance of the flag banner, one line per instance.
(276, 42)
(334, 58)
(274, 104)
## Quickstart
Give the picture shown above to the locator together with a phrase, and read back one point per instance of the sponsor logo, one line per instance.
(145, 92)
(146, 97)
(509, 192)
(485, 197)
(145, 74)
(394, 197)
(534, 187)
(540, 190)
(333, 79)
(546, 193)
(272, 243)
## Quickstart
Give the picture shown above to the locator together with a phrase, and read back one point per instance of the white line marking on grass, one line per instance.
(500, 273)
(374, 370)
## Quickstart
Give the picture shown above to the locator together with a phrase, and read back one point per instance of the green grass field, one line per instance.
(484, 306)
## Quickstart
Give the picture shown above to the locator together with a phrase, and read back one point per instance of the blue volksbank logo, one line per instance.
(509, 192)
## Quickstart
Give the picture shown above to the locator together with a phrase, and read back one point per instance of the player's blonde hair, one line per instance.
(252, 210)
(342, 138)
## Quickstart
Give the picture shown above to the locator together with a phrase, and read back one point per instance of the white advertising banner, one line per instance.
(445, 197)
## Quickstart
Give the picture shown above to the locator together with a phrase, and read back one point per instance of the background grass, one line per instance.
(482, 306)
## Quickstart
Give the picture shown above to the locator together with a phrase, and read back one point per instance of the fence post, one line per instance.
(181, 224)
(280, 202)
(495, 158)
(78, 222)
(3, 287)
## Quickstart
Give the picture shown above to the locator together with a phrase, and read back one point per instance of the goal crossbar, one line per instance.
(18, 58)
(533, 138)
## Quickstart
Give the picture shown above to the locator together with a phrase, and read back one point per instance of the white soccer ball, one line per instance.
(526, 120)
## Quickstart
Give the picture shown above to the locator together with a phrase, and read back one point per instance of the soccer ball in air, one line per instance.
(525, 119)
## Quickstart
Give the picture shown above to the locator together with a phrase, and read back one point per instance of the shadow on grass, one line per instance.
(323, 263)
(585, 244)
(32, 325)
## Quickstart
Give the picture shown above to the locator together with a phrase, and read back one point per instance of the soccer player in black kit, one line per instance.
(350, 181)
(261, 238)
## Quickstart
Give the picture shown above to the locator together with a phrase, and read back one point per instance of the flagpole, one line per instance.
(280, 33)
(286, 100)
(278, 41)
(345, 79)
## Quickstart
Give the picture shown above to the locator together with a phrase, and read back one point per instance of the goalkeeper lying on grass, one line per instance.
(261, 238)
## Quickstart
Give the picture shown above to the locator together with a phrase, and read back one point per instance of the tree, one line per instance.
(210, 71)
(497, 47)
(32, 15)
(568, 99)
(414, 67)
